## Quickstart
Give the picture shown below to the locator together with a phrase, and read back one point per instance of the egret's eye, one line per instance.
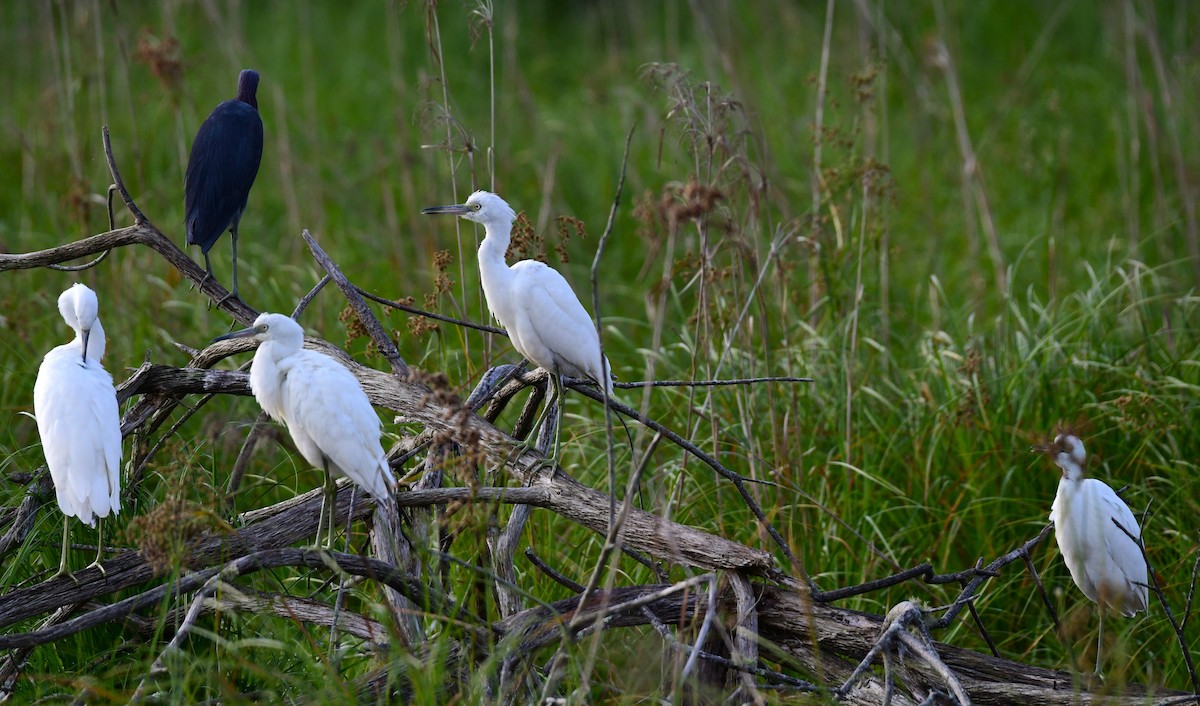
(475, 207)
(263, 328)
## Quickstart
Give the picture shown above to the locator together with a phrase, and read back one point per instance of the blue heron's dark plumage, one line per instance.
(224, 161)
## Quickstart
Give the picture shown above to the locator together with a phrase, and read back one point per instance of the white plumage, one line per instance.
(321, 403)
(76, 409)
(1104, 562)
(544, 319)
(77, 417)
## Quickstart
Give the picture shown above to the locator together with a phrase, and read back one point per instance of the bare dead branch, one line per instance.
(256, 561)
(379, 337)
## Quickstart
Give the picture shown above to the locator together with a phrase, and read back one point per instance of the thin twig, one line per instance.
(990, 570)
(739, 481)
(312, 294)
(395, 304)
(1162, 600)
(139, 218)
(551, 572)
(1187, 610)
(706, 383)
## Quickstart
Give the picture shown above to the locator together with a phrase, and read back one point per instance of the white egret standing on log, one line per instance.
(323, 406)
(76, 409)
(545, 320)
(1104, 562)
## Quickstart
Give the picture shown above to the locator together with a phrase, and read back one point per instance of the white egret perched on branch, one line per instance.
(543, 317)
(77, 417)
(323, 406)
(1104, 562)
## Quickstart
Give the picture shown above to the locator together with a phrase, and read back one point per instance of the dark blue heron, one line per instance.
(224, 161)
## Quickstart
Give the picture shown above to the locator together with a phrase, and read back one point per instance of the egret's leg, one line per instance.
(327, 505)
(532, 437)
(330, 502)
(62, 562)
(1099, 644)
(337, 603)
(558, 396)
(99, 547)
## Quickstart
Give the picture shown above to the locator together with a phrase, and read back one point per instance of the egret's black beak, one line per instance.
(86, 332)
(244, 333)
(1040, 449)
(457, 209)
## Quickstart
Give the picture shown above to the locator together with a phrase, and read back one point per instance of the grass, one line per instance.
(931, 381)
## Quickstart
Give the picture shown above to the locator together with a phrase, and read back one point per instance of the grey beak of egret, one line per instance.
(457, 209)
(243, 333)
(86, 333)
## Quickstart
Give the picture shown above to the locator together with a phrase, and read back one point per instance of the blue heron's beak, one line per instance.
(457, 209)
(86, 332)
(243, 333)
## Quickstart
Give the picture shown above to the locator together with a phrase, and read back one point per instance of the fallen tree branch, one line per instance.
(266, 559)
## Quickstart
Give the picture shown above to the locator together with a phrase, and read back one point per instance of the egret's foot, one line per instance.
(547, 464)
(98, 566)
(62, 571)
(529, 444)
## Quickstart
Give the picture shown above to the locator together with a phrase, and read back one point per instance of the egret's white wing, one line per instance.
(327, 409)
(1126, 566)
(553, 324)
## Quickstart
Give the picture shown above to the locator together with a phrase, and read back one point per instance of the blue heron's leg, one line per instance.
(233, 236)
(99, 547)
(233, 294)
(208, 273)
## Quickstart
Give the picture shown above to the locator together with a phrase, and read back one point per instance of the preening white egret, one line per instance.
(323, 406)
(545, 320)
(76, 409)
(1104, 562)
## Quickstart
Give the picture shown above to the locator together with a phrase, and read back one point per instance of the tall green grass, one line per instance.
(931, 382)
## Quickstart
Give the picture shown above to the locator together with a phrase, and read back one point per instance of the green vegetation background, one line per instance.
(935, 369)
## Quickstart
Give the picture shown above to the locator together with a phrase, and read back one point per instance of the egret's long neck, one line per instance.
(1072, 470)
(494, 272)
(95, 342)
